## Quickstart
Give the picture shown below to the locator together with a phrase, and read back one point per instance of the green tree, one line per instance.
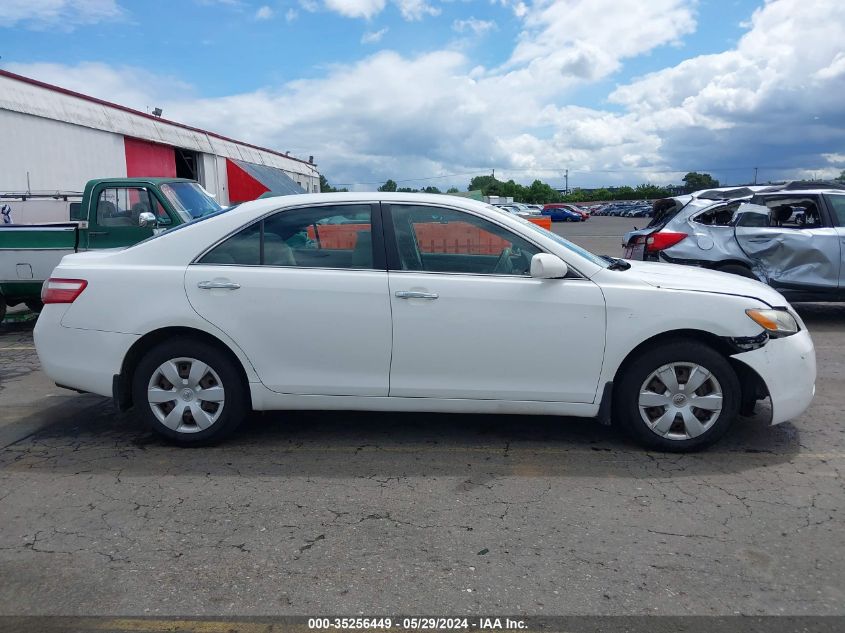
(695, 181)
(325, 187)
(841, 177)
(431, 189)
(453, 190)
(390, 185)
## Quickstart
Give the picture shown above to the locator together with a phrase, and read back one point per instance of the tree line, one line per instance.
(539, 192)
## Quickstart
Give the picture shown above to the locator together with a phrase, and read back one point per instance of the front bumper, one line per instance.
(787, 366)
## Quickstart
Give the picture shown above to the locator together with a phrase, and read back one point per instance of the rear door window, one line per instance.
(337, 236)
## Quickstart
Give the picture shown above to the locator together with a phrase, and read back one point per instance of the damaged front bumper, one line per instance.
(787, 366)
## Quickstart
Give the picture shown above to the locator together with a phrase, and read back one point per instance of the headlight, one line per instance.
(776, 322)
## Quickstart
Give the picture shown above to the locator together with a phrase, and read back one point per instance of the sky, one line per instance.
(433, 92)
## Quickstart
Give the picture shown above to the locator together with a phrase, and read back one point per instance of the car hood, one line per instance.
(676, 277)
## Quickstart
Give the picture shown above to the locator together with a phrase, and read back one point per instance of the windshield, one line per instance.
(598, 261)
(189, 199)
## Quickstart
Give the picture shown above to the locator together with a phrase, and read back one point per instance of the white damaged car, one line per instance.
(407, 302)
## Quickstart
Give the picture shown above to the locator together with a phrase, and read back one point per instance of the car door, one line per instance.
(836, 206)
(115, 213)
(797, 248)
(469, 322)
(304, 293)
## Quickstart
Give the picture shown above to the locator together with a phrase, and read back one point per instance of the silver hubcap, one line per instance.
(186, 395)
(680, 401)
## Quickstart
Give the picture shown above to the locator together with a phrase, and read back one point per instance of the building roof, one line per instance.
(154, 130)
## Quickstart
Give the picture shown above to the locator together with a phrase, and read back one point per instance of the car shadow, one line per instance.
(98, 439)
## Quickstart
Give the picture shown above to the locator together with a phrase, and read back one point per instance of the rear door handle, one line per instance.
(413, 294)
(218, 285)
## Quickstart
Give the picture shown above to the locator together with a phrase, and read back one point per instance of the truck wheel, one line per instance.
(190, 392)
(34, 304)
(679, 396)
(2, 308)
(737, 269)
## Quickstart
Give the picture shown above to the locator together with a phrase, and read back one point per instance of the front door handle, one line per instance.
(413, 294)
(218, 285)
(98, 232)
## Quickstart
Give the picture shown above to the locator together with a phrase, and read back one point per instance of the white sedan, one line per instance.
(406, 302)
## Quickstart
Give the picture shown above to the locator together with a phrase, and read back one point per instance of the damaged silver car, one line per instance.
(788, 236)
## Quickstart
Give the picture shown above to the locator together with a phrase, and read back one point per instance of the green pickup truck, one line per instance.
(114, 212)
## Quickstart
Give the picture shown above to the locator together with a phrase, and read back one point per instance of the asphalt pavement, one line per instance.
(359, 513)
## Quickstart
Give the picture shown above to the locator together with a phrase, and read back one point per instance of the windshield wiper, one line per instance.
(616, 263)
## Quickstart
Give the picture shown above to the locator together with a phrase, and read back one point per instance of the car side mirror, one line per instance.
(146, 219)
(546, 266)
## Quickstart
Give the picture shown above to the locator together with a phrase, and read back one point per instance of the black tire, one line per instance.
(234, 408)
(2, 308)
(626, 409)
(34, 304)
(737, 269)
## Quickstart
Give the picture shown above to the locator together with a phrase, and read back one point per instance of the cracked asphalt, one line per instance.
(345, 513)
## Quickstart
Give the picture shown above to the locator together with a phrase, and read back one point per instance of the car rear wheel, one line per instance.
(189, 392)
(679, 396)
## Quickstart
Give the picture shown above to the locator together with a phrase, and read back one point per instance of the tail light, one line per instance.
(62, 290)
(662, 240)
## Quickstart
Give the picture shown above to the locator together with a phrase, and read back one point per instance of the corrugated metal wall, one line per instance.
(58, 156)
(49, 104)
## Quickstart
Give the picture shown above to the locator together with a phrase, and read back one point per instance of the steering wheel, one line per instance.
(504, 265)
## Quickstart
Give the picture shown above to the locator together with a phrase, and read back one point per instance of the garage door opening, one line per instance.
(186, 164)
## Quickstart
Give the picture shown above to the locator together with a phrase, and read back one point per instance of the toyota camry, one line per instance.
(407, 302)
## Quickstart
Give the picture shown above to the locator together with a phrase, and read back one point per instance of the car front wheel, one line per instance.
(679, 396)
(190, 392)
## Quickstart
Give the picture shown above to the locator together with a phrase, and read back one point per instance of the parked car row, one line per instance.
(789, 236)
(638, 209)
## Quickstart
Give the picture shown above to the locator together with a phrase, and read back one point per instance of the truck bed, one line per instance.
(30, 252)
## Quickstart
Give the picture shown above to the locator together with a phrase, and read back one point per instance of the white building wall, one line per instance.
(22, 97)
(57, 155)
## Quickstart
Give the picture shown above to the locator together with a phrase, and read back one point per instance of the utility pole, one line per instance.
(494, 174)
(566, 186)
(755, 175)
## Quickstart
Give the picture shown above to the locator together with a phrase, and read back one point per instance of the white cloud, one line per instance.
(478, 27)
(413, 10)
(773, 99)
(291, 14)
(311, 6)
(65, 14)
(124, 85)
(264, 12)
(356, 8)
(372, 37)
